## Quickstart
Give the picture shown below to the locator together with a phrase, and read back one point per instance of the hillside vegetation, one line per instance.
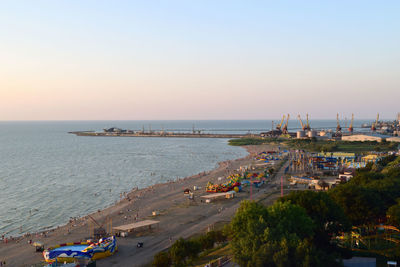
(314, 145)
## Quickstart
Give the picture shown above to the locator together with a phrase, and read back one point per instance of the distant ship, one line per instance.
(366, 125)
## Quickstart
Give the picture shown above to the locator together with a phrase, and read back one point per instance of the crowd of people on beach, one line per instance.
(130, 202)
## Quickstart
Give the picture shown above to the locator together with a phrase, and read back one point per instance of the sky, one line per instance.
(183, 60)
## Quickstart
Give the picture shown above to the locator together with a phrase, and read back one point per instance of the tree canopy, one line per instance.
(366, 198)
(279, 235)
(328, 217)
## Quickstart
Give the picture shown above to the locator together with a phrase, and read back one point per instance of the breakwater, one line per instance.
(157, 134)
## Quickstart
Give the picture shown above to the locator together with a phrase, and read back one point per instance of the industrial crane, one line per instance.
(338, 127)
(284, 128)
(278, 127)
(308, 127)
(303, 126)
(351, 124)
(375, 124)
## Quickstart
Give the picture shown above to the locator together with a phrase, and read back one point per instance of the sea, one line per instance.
(48, 175)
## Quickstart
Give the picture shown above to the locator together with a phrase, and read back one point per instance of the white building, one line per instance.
(361, 137)
(346, 176)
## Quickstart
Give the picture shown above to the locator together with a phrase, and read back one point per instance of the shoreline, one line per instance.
(165, 197)
(125, 194)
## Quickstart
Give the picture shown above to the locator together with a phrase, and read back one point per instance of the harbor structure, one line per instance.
(362, 138)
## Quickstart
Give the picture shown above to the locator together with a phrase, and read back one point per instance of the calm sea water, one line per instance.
(48, 175)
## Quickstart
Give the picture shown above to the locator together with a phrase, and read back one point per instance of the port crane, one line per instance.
(303, 126)
(375, 124)
(284, 128)
(308, 127)
(338, 127)
(351, 124)
(278, 127)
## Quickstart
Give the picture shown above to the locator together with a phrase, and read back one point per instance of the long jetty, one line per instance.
(157, 134)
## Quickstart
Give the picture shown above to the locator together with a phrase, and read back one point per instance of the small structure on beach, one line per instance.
(135, 226)
(98, 230)
(215, 196)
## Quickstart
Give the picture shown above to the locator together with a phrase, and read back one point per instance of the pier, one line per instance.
(160, 134)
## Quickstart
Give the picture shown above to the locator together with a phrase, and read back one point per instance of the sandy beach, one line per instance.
(178, 216)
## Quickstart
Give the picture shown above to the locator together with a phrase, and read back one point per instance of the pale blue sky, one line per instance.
(198, 59)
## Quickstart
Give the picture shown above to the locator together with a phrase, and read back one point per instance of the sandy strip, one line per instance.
(179, 217)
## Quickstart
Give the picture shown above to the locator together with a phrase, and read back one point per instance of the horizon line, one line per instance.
(269, 119)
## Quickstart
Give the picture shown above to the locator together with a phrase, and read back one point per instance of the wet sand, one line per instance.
(179, 217)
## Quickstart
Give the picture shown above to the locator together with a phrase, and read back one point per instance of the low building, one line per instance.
(345, 177)
(361, 138)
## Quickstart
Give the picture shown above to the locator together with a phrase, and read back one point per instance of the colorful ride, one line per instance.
(215, 188)
(68, 252)
(268, 156)
(236, 180)
(256, 175)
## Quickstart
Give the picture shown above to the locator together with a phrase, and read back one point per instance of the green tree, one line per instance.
(361, 205)
(206, 241)
(247, 229)
(393, 215)
(279, 235)
(182, 251)
(178, 252)
(286, 220)
(193, 248)
(328, 217)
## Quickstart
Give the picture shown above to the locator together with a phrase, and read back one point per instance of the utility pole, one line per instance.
(251, 188)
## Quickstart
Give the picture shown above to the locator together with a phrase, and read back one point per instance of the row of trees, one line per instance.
(319, 145)
(299, 229)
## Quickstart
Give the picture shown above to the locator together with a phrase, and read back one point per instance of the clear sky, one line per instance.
(130, 60)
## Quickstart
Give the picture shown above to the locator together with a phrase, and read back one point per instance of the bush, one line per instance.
(162, 259)
(206, 241)
(393, 215)
(219, 236)
(183, 250)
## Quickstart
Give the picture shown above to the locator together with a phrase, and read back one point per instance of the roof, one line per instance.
(360, 262)
(217, 195)
(132, 226)
(366, 134)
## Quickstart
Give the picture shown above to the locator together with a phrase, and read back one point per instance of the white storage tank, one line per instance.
(300, 134)
(312, 134)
